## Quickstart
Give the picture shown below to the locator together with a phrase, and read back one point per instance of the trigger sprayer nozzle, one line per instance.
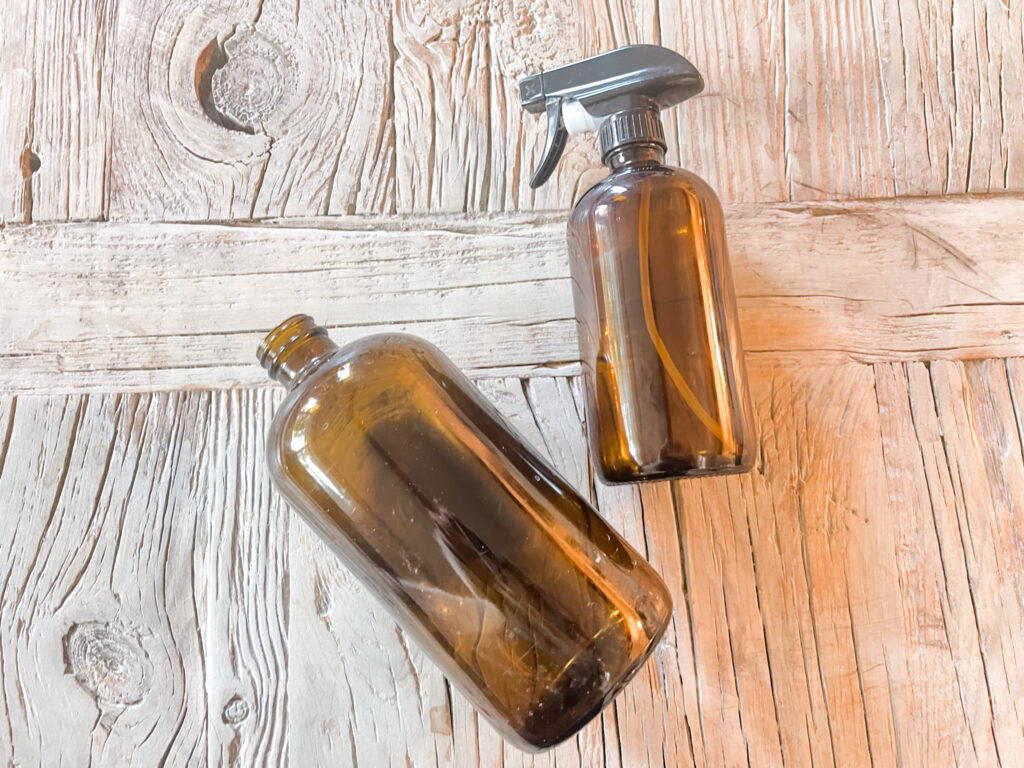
(620, 93)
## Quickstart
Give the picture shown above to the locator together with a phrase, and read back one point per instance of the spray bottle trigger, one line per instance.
(554, 145)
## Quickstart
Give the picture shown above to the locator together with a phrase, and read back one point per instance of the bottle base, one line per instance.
(672, 469)
(558, 718)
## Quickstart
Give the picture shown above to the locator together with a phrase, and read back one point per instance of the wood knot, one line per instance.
(241, 81)
(107, 662)
(235, 711)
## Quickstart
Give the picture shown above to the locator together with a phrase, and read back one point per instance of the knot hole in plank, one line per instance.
(108, 662)
(243, 79)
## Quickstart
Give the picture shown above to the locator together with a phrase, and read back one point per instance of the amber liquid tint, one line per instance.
(528, 600)
(658, 331)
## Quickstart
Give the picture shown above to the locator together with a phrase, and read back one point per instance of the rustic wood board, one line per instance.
(855, 600)
(144, 110)
(136, 306)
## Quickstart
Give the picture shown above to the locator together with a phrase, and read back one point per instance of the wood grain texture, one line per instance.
(97, 306)
(56, 62)
(854, 600)
(804, 101)
(237, 109)
(141, 612)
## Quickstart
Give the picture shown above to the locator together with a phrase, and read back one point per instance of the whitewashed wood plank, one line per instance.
(463, 141)
(738, 715)
(820, 575)
(55, 109)
(231, 111)
(939, 658)
(732, 134)
(126, 306)
(981, 442)
(804, 101)
(239, 109)
(956, 472)
(142, 615)
(96, 643)
(246, 649)
(764, 561)
(853, 599)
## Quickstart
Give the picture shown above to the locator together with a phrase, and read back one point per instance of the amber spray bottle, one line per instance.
(531, 604)
(655, 307)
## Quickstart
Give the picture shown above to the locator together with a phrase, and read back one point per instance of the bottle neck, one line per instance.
(294, 349)
(635, 155)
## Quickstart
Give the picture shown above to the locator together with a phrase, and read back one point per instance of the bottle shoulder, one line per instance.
(380, 366)
(621, 187)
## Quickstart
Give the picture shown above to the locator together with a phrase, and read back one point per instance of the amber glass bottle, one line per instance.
(531, 604)
(657, 321)
(659, 339)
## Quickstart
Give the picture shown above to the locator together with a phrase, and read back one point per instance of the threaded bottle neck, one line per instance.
(294, 349)
(635, 155)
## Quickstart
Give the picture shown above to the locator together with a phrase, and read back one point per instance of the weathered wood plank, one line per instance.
(104, 306)
(246, 576)
(981, 441)
(55, 109)
(242, 109)
(98, 643)
(141, 614)
(463, 142)
(852, 600)
(804, 101)
(281, 108)
(941, 650)
(955, 465)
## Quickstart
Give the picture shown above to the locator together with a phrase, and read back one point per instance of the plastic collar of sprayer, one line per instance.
(620, 94)
(641, 125)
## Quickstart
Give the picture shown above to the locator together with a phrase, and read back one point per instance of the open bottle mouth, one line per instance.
(286, 351)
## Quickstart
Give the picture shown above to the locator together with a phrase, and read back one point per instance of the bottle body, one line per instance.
(533, 606)
(659, 336)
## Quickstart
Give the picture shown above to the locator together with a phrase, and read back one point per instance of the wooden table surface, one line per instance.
(175, 178)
